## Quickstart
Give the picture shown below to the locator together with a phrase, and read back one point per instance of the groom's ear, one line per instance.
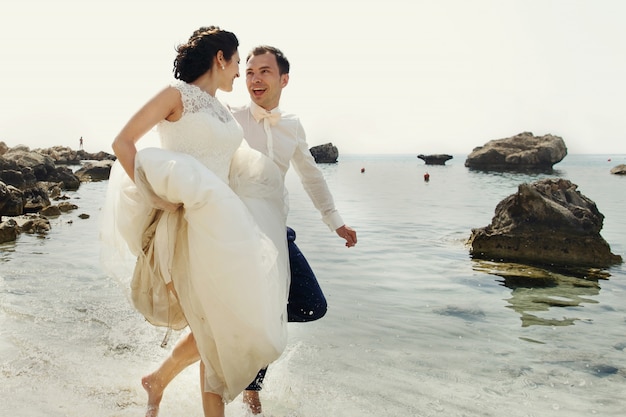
(284, 80)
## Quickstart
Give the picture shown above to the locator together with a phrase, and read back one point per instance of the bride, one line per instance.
(204, 215)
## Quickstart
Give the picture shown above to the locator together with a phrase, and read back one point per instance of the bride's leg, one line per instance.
(212, 404)
(184, 354)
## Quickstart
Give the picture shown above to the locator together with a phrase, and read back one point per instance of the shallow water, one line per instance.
(414, 327)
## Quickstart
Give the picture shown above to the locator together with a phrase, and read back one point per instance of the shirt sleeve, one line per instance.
(314, 182)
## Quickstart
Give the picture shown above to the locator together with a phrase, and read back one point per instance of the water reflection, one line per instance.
(536, 289)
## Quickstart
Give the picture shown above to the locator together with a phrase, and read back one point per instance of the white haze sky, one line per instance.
(386, 76)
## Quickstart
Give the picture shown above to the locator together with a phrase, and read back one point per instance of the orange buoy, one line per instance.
(426, 176)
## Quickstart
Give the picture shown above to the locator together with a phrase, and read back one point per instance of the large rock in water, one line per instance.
(325, 154)
(547, 222)
(436, 159)
(520, 152)
(619, 170)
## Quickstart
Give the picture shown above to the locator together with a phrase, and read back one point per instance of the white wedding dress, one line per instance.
(224, 249)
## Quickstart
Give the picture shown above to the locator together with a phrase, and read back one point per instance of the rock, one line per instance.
(67, 179)
(13, 177)
(50, 211)
(521, 152)
(95, 171)
(12, 200)
(41, 165)
(325, 154)
(36, 199)
(55, 192)
(37, 225)
(9, 231)
(98, 156)
(436, 159)
(3, 148)
(30, 223)
(547, 222)
(66, 206)
(619, 170)
(61, 155)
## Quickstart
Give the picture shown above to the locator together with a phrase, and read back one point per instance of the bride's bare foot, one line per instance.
(155, 392)
(152, 411)
(251, 399)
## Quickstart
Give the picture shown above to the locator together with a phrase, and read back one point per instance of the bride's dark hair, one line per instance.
(195, 57)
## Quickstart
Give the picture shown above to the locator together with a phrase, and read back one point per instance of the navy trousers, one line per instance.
(306, 300)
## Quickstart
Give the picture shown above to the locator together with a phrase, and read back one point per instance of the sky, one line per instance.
(372, 77)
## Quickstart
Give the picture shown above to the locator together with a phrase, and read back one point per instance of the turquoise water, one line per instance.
(414, 327)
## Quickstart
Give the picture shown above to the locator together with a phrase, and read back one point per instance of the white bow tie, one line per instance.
(269, 119)
(260, 113)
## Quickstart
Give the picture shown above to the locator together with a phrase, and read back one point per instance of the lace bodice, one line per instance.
(207, 131)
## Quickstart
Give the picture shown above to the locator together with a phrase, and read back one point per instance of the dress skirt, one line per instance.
(223, 246)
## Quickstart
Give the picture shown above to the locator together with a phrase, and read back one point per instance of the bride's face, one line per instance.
(229, 73)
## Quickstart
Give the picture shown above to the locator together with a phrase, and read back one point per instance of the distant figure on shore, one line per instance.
(80, 143)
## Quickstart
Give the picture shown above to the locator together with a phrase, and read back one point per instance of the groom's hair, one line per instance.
(281, 59)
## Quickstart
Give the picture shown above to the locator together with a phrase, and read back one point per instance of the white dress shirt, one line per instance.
(287, 145)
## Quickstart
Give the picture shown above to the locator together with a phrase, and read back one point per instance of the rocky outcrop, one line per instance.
(61, 155)
(30, 178)
(547, 222)
(436, 159)
(521, 152)
(64, 155)
(23, 168)
(619, 170)
(325, 154)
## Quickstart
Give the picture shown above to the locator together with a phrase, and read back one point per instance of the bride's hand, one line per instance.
(164, 205)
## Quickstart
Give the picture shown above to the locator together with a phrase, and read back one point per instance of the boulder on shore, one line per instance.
(547, 222)
(435, 159)
(95, 170)
(520, 152)
(619, 170)
(325, 154)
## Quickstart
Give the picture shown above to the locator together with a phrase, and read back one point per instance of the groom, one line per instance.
(281, 137)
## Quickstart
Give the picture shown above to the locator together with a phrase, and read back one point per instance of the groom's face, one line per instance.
(264, 81)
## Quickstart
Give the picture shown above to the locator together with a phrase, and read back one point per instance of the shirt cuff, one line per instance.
(333, 220)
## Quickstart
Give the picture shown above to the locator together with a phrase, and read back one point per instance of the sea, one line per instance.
(415, 326)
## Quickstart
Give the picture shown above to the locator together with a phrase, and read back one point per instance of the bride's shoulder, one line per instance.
(183, 88)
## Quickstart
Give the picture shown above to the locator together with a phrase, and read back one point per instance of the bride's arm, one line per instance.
(167, 104)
